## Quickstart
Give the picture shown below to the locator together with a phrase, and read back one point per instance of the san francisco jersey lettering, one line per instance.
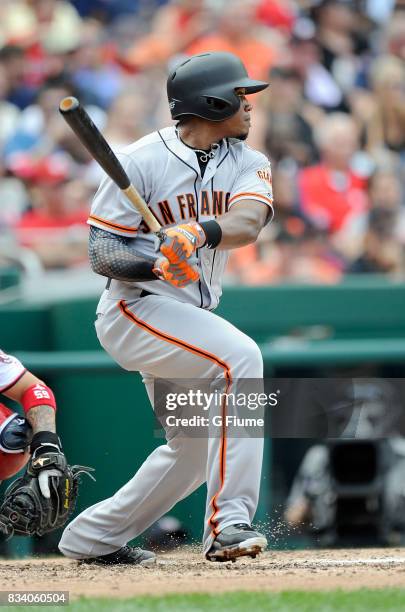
(167, 175)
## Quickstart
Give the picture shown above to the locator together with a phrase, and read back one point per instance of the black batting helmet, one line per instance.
(204, 85)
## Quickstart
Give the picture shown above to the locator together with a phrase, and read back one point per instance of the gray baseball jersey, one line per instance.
(167, 175)
(172, 334)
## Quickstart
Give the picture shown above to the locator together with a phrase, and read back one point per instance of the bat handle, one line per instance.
(142, 208)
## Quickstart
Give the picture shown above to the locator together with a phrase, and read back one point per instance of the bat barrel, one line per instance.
(90, 136)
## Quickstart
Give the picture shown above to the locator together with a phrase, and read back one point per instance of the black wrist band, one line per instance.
(213, 233)
(44, 437)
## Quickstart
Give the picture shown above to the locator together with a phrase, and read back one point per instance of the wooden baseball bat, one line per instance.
(91, 137)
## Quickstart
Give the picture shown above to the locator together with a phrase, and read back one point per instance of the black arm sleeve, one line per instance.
(115, 257)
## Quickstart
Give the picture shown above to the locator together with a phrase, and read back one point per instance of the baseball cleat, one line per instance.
(126, 555)
(236, 541)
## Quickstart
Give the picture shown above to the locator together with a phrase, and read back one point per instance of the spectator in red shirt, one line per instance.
(55, 227)
(331, 193)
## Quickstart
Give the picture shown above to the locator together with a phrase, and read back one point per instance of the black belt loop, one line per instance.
(107, 286)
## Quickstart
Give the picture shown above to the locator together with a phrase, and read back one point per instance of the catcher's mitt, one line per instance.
(26, 510)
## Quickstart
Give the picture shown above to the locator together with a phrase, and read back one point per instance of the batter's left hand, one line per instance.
(178, 243)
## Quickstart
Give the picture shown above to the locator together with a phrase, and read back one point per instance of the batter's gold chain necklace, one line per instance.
(203, 155)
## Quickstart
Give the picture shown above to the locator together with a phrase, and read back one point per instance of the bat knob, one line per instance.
(69, 104)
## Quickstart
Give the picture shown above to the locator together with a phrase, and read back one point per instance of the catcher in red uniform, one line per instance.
(43, 498)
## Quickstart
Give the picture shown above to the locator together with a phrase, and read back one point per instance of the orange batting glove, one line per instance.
(178, 274)
(178, 243)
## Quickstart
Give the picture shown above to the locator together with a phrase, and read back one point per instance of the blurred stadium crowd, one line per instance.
(332, 122)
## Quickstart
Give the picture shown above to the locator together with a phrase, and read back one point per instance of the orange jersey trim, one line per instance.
(253, 196)
(112, 224)
(228, 377)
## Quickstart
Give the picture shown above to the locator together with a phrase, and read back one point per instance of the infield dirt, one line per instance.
(184, 571)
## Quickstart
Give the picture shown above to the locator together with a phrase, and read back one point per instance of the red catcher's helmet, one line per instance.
(15, 437)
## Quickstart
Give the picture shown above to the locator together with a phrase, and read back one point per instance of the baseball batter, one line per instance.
(211, 193)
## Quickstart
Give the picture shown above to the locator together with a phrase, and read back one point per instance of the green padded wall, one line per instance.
(371, 308)
(25, 328)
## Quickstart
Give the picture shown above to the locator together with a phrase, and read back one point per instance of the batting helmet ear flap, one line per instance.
(223, 106)
(15, 437)
(15, 431)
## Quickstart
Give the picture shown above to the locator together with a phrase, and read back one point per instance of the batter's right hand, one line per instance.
(179, 274)
(179, 242)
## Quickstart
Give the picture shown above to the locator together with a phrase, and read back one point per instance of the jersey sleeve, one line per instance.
(111, 210)
(11, 370)
(254, 181)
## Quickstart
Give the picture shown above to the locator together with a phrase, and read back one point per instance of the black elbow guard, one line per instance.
(115, 257)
